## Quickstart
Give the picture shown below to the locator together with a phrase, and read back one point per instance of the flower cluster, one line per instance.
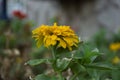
(19, 14)
(115, 46)
(60, 36)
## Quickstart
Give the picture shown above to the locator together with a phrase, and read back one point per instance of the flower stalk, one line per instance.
(53, 53)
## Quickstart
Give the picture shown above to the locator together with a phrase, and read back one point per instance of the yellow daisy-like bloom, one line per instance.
(115, 46)
(60, 36)
(116, 60)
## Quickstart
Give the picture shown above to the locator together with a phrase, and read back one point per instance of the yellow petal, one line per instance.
(39, 42)
(62, 43)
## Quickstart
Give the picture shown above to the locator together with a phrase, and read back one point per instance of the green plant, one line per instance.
(68, 55)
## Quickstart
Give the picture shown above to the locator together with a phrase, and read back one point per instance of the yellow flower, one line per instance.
(60, 36)
(115, 46)
(116, 60)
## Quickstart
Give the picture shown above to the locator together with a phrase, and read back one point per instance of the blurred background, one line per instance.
(95, 21)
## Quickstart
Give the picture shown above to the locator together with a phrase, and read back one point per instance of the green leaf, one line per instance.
(78, 55)
(38, 61)
(99, 66)
(94, 54)
(116, 74)
(90, 55)
(44, 77)
(76, 68)
(61, 64)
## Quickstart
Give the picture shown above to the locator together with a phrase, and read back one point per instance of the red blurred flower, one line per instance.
(19, 14)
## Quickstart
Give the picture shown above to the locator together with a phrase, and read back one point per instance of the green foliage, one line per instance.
(79, 61)
(61, 64)
(37, 61)
(100, 66)
(102, 41)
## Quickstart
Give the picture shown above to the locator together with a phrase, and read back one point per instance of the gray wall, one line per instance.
(104, 13)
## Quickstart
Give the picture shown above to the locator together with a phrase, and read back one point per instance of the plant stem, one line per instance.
(74, 76)
(97, 77)
(54, 57)
(53, 53)
(60, 76)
